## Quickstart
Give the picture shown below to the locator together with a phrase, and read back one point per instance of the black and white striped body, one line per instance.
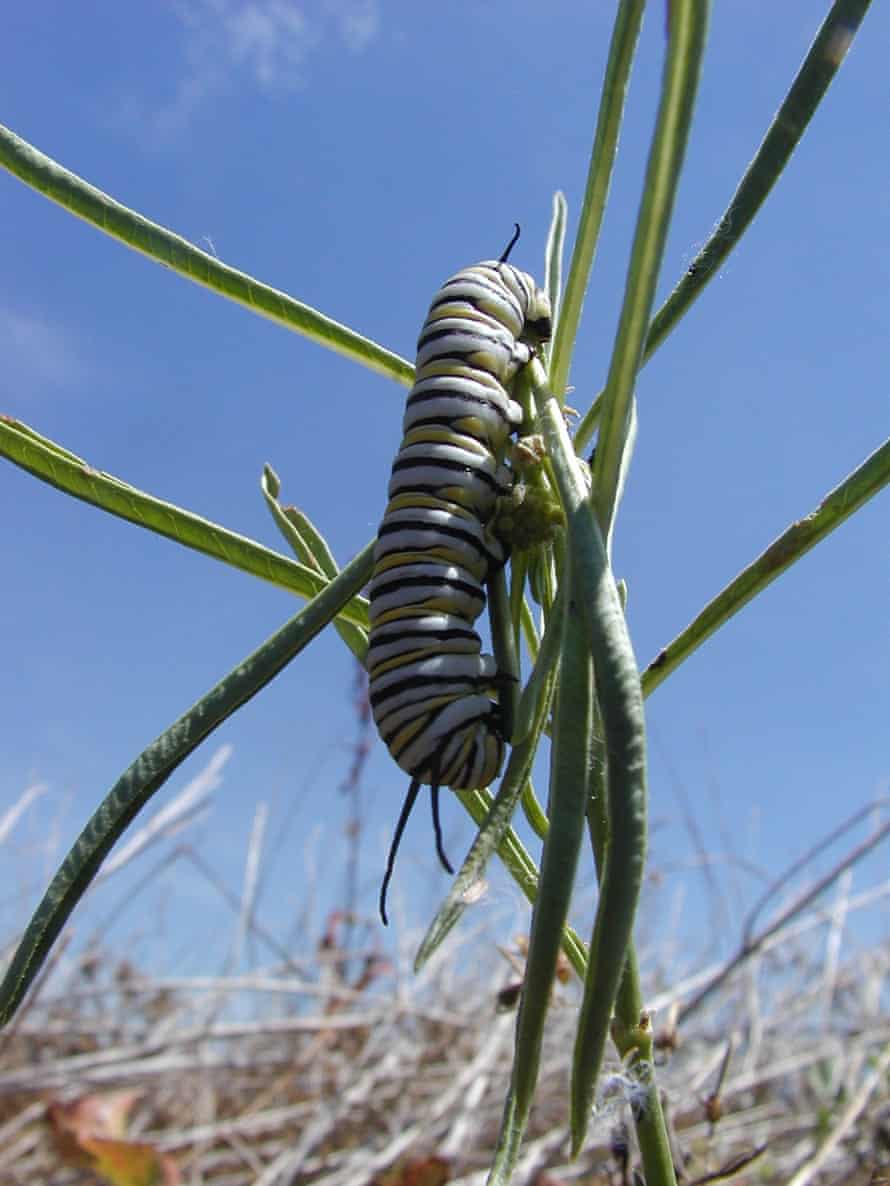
(430, 683)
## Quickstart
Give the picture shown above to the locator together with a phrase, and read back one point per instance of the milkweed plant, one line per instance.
(562, 605)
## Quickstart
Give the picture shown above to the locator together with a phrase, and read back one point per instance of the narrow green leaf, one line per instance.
(68, 473)
(320, 555)
(152, 769)
(526, 619)
(867, 480)
(163, 246)
(621, 706)
(545, 663)
(534, 813)
(518, 606)
(509, 1141)
(688, 20)
(569, 753)
(553, 252)
(270, 485)
(621, 51)
(632, 1028)
(311, 549)
(26, 432)
(503, 641)
(821, 64)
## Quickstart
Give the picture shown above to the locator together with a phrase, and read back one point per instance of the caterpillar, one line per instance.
(429, 683)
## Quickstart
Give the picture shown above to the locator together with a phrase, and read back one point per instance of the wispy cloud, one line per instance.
(357, 21)
(265, 44)
(36, 353)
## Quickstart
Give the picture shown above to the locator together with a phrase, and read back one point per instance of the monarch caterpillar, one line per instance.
(429, 681)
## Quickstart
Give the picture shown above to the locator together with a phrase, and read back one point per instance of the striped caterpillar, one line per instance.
(430, 684)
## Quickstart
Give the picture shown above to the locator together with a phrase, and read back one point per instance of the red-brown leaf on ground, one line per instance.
(102, 1114)
(91, 1132)
(416, 1171)
(131, 1163)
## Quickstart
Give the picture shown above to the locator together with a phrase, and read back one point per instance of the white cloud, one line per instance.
(270, 40)
(36, 353)
(267, 43)
(357, 21)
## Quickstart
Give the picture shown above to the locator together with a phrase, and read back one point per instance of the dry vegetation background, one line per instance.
(332, 1063)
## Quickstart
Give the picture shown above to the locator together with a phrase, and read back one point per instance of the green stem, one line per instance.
(632, 1034)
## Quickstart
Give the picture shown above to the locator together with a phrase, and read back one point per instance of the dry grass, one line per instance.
(333, 1067)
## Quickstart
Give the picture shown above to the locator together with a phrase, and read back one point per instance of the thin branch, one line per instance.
(750, 946)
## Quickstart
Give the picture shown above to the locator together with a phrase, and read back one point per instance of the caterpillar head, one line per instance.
(534, 302)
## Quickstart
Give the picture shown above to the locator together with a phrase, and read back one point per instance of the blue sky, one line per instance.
(355, 153)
